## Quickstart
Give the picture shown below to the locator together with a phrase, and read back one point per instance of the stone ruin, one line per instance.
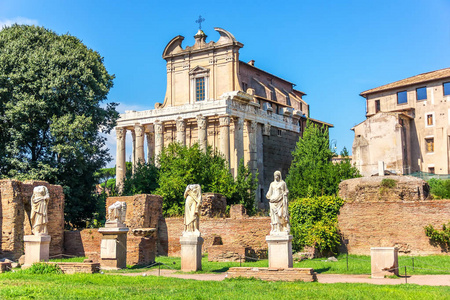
(15, 209)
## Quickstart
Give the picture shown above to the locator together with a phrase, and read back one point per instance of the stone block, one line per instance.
(191, 253)
(384, 261)
(280, 251)
(5, 267)
(37, 248)
(274, 274)
(113, 249)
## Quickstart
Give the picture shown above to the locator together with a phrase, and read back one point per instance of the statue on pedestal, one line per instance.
(193, 195)
(279, 209)
(117, 212)
(39, 209)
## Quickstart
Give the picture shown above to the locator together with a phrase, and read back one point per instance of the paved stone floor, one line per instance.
(322, 278)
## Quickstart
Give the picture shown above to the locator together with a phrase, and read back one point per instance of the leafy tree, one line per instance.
(312, 172)
(51, 113)
(182, 165)
(314, 222)
(143, 181)
(245, 188)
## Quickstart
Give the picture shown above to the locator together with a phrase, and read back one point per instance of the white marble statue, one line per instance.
(117, 211)
(193, 195)
(39, 210)
(278, 201)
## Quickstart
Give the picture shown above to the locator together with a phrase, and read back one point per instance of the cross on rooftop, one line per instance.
(199, 21)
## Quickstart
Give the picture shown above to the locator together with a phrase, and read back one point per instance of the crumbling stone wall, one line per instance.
(15, 210)
(376, 216)
(213, 205)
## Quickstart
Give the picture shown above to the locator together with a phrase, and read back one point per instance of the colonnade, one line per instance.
(231, 142)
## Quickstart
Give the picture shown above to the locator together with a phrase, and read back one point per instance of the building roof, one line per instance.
(424, 77)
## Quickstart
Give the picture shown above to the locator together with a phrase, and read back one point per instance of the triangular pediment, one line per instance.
(198, 69)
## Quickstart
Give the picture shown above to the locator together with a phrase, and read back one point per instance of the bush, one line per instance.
(244, 188)
(440, 188)
(143, 181)
(439, 236)
(314, 222)
(43, 268)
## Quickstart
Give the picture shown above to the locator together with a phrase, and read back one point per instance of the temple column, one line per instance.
(139, 154)
(181, 131)
(224, 142)
(133, 150)
(202, 133)
(238, 141)
(150, 146)
(120, 158)
(251, 131)
(159, 140)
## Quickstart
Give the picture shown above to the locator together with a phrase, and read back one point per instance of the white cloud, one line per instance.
(18, 20)
(122, 107)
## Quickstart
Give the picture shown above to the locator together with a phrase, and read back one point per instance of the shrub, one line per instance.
(388, 183)
(440, 188)
(244, 188)
(439, 236)
(314, 222)
(43, 268)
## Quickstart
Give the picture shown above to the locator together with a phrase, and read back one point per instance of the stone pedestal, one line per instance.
(280, 251)
(36, 248)
(384, 261)
(113, 249)
(191, 253)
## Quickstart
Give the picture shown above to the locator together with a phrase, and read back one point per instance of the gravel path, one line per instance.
(322, 278)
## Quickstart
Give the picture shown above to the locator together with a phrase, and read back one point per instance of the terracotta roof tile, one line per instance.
(424, 77)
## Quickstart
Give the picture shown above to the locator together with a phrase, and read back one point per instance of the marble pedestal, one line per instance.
(113, 249)
(280, 251)
(191, 253)
(37, 248)
(383, 261)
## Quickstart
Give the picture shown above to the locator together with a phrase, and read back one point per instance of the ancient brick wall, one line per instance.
(245, 232)
(386, 217)
(15, 216)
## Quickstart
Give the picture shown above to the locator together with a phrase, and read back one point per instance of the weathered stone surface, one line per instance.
(5, 267)
(395, 217)
(225, 253)
(370, 189)
(72, 268)
(213, 205)
(274, 274)
(238, 211)
(383, 261)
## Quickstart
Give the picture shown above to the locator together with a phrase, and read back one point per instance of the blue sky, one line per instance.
(332, 50)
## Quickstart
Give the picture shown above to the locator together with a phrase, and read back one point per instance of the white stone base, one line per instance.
(37, 248)
(191, 253)
(113, 249)
(280, 251)
(384, 261)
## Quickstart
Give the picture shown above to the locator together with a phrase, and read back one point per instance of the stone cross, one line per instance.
(199, 21)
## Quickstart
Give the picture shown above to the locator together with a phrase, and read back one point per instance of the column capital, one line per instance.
(121, 132)
(201, 122)
(252, 126)
(139, 129)
(158, 127)
(224, 120)
(266, 130)
(181, 124)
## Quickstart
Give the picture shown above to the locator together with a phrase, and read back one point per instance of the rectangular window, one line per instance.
(446, 88)
(200, 89)
(429, 144)
(402, 97)
(377, 106)
(421, 93)
(430, 121)
(431, 170)
(244, 86)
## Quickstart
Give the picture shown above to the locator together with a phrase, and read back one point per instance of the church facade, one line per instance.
(213, 98)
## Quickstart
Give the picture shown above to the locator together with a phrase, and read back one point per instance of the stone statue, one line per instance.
(278, 201)
(193, 195)
(39, 209)
(117, 211)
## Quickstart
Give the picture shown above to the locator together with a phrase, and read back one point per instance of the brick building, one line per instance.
(213, 98)
(407, 126)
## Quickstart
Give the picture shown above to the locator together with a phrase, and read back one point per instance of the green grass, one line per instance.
(357, 264)
(96, 286)
(69, 259)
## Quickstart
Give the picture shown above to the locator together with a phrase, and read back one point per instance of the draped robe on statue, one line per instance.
(193, 195)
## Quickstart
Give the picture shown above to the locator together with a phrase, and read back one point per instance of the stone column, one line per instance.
(181, 131)
(159, 140)
(150, 146)
(139, 132)
(202, 133)
(120, 158)
(238, 140)
(224, 125)
(133, 150)
(251, 130)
